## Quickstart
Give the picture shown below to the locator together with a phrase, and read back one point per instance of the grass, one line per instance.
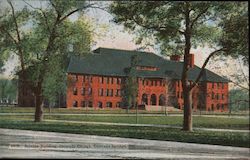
(74, 110)
(166, 134)
(198, 121)
(12, 109)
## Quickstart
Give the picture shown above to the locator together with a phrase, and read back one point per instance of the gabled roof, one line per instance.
(112, 62)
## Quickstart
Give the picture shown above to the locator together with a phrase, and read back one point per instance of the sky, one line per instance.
(116, 37)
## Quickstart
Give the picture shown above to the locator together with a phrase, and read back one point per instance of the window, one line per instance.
(107, 80)
(118, 81)
(212, 107)
(218, 85)
(156, 83)
(222, 85)
(178, 94)
(143, 82)
(75, 103)
(118, 93)
(118, 104)
(100, 92)
(111, 80)
(102, 80)
(222, 106)
(90, 79)
(217, 96)
(90, 104)
(152, 82)
(212, 95)
(181, 94)
(83, 79)
(75, 78)
(146, 82)
(109, 104)
(99, 104)
(212, 85)
(111, 92)
(218, 106)
(90, 91)
(83, 104)
(160, 82)
(83, 91)
(107, 92)
(75, 91)
(222, 96)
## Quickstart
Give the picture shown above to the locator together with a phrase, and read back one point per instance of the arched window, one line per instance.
(99, 104)
(83, 104)
(75, 103)
(162, 100)
(90, 104)
(222, 107)
(218, 106)
(145, 99)
(118, 104)
(109, 104)
(153, 99)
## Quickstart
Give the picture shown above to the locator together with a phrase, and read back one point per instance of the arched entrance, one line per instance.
(153, 99)
(162, 100)
(144, 99)
(99, 104)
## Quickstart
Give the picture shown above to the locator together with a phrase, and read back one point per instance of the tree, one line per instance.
(41, 35)
(131, 85)
(239, 100)
(179, 26)
(8, 89)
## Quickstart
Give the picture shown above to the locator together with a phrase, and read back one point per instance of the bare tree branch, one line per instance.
(239, 85)
(18, 36)
(3, 30)
(204, 65)
(43, 13)
(199, 15)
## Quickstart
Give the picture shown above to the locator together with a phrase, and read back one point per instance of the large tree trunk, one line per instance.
(187, 121)
(39, 103)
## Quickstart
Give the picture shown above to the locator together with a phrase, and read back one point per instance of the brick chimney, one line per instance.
(175, 58)
(190, 60)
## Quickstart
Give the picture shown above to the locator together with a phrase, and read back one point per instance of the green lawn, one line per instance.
(108, 111)
(204, 137)
(74, 110)
(198, 121)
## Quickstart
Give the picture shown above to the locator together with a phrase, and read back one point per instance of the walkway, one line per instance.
(37, 144)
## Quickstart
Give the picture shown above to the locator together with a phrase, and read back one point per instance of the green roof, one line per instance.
(112, 62)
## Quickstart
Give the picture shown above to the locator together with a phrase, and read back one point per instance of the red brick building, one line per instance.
(97, 81)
